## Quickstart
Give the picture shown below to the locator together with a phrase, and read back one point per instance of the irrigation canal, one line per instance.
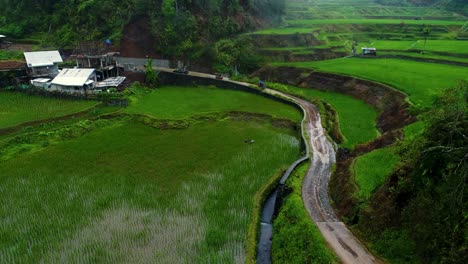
(321, 153)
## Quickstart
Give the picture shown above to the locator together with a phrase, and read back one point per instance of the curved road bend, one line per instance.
(315, 187)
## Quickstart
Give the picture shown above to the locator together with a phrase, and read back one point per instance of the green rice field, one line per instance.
(448, 46)
(421, 81)
(283, 31)
(333, 9)
(356, 118)
(171, 102)
(314, 22)
(196, 183)
(16, 108)
(120, 190)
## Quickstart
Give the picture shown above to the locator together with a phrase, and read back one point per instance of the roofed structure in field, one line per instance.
(74, 77)
(42, 58)
(43, 63)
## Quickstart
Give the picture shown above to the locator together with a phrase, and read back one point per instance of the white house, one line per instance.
(41, 82)
(43, 63)
(74, 81)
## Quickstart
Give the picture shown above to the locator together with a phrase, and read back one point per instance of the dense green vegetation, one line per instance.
(179, 27)
(296, 238)
(11, 55)
(422, 211)
(16, 108)
(170, 102)
(87, 199)
(421, 81)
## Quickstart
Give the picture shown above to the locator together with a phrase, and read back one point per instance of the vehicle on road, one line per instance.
(181, 70)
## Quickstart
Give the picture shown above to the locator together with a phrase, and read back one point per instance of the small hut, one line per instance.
(369, 51)
(80, 81)
(43, 63)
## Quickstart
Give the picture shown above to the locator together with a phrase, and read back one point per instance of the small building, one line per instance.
(369, 51)
(41, 82)
(43, 63)
(81, 81)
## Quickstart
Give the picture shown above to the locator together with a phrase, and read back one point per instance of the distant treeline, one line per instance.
(179, 22)
(459, 6)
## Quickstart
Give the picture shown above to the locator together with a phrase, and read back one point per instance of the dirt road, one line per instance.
(315, 191)
(315, 186)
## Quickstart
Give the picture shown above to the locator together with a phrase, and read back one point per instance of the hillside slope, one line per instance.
(177, 26)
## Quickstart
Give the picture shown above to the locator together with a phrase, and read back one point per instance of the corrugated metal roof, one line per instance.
(42, 58)
(41, 80)
(111, 82)
(73, 77)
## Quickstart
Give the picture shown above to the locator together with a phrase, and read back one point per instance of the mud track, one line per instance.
(315, 190)
(315, 186)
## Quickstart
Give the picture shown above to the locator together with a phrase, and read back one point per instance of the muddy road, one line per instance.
(315, 185)
(315, 190)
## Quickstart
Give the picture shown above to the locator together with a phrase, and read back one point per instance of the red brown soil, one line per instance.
(12, 65)
(137, 40)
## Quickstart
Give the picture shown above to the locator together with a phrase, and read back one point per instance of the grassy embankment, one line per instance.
(16, 108)
(118, 190)
(297, 239)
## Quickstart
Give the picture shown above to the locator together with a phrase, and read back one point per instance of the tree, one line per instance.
(227, 55)
(436, 214)
(151, 76)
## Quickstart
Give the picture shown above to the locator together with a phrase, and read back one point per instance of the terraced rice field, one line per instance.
(121, 190)
(421, 81)
(171, 102)
(356, 118)
(16, 108)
